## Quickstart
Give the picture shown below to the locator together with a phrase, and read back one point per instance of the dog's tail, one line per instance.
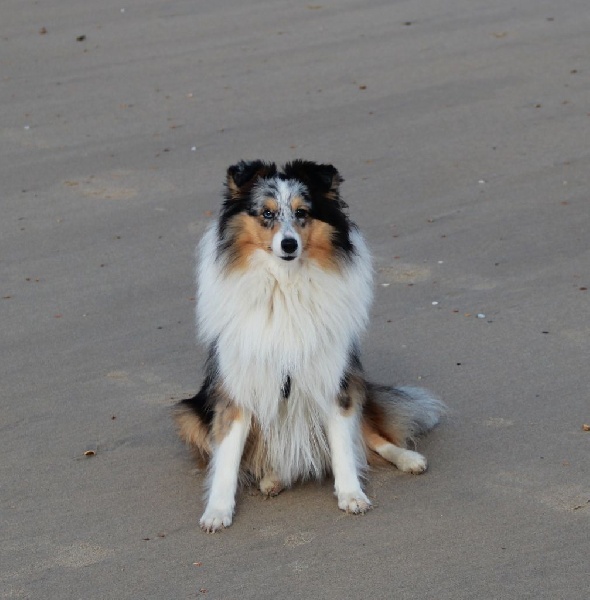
(401, 414)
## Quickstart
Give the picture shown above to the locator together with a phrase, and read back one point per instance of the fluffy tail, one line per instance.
(402, 414)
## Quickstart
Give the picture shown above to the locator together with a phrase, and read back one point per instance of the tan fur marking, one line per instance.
(234, 190)
(271, 204)
(372, 437)
(377, 419)
(317, 243)
(298, 202)
(249, 236)
(373, 440)
(193, 432)
(224, 419)
(352, 398)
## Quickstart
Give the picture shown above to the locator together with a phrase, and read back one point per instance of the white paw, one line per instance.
(215, 519)
(270, 487)
(411, 462)
(354, 502)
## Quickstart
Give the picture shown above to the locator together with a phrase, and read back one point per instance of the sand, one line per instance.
(461, 128)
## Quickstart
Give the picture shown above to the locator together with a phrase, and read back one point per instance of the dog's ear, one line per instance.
(242, 176)
(319, 179)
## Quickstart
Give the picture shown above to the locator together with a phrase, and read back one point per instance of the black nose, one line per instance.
(289, 245)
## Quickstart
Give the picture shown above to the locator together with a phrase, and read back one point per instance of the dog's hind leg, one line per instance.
(405, 460)
(224, 470)
(270, 484)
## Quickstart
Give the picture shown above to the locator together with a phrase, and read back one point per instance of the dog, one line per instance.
(284, 290)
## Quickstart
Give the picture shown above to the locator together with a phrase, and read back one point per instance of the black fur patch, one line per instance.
(203, 403)
(286, 389)
(244, 174)
(344, 382)
(354, 359)
(200, 404)
(344, 400)
(355, 368)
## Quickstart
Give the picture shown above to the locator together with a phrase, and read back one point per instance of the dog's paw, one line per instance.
(270, 486)
(215, 519)
(411, 462)
(355, 503)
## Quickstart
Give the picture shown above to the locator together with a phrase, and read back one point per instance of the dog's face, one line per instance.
(281, 209)
(292, 214)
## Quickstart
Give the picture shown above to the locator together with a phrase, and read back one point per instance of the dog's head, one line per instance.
(293, 213)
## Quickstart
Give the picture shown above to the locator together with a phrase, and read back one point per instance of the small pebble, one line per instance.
(435, 303)
(481, 316)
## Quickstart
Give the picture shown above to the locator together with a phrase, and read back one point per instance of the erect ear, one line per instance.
(322, 179)
(242, 176)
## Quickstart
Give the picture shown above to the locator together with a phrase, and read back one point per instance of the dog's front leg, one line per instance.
(223, 475)
(343, 437)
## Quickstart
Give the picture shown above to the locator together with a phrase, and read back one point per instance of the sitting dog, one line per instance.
(284, 291)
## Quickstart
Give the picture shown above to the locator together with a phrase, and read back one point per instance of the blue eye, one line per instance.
(268, 214)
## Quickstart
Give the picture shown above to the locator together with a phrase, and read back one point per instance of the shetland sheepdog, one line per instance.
(284, 289)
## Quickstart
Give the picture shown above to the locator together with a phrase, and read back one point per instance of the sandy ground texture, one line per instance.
(462, 128)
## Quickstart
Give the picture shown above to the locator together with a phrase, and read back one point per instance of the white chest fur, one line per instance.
(277, 320)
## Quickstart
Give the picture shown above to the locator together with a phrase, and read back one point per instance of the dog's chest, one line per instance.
(288, 339)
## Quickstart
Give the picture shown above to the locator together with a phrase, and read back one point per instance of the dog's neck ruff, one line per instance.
(280, 319)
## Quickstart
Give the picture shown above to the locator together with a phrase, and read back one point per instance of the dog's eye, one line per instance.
(300, 213)
(268, 214)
